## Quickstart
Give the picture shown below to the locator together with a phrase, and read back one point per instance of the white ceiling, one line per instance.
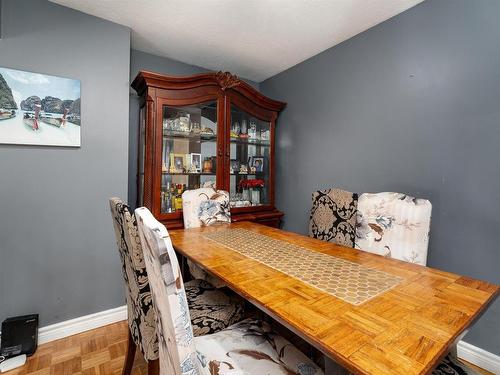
(254, 39)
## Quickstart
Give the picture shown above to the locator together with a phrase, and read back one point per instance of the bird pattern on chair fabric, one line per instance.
(175, 333)
(205, 206)
(333, 216)
(248, 347)
(394, 225)
(202, 207)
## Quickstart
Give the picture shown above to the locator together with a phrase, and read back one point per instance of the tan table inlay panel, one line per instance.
(351, 282)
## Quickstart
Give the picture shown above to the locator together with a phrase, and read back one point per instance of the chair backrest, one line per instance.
(394, 225)
(141, 318)
(175, 333)
(333, 216)
(205, 206)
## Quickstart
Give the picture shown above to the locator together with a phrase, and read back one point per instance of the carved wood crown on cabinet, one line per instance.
(225, 81)
(225, 89)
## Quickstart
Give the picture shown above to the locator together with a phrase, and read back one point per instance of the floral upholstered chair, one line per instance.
(212, 310)
(397, 226)
(248, 347)
(394, 225)
(202, 207)
(333, 216)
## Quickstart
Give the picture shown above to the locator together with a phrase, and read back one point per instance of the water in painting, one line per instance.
(39, 109)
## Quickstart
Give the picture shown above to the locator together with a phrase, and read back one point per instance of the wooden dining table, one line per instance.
(368, 313)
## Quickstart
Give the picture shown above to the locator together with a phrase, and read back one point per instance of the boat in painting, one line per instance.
(50, 119)
(74, 118)
(6, 114)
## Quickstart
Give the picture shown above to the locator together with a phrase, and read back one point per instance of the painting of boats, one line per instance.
(39, 109)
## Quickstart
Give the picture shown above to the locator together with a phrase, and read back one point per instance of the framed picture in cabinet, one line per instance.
(194, 163)
(177, 163)
(259, 163)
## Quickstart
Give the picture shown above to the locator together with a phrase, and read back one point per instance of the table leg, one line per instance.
(333, 368)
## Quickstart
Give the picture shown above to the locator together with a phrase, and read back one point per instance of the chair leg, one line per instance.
(154, 367)
(129, 355)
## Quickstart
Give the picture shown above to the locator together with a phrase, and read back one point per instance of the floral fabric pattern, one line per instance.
(333, 216)
(175, 333)
(203, 207)
(251, 347)
(141, 316)
(248, 347)
(211, 310)
(394, 225)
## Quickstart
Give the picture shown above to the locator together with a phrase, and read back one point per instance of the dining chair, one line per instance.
(211, 309)
(333, 216)
(248, 347)
(397, 225)
(203, 207)
(394, 225)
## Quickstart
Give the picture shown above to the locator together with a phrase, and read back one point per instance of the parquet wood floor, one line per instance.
(100, 351)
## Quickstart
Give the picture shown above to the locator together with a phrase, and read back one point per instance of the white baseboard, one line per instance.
(466, 351)
(479, 357)
(81, 324)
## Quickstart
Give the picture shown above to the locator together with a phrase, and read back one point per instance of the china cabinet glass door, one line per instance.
(189, 152)
(250, 160)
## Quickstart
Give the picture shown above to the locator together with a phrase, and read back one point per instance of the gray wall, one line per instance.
(145, 61)
(57, 249)
(411, 105)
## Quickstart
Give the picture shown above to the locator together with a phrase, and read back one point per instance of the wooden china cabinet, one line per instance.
(204, 130)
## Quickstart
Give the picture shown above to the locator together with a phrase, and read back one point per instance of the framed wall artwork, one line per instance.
(39, 109)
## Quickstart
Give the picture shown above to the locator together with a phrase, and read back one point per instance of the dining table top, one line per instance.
(370, 314)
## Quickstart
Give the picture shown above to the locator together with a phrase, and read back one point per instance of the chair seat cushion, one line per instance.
(211, 309)
(250, 347)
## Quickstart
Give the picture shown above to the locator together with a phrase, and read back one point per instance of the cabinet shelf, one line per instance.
(249, 174)
(189, 136)
(190, 174)
(256, 142)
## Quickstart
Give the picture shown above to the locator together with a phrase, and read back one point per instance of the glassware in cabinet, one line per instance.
(250, 160)
(189, 151)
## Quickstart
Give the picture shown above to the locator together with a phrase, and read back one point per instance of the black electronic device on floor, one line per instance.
(19, 335)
